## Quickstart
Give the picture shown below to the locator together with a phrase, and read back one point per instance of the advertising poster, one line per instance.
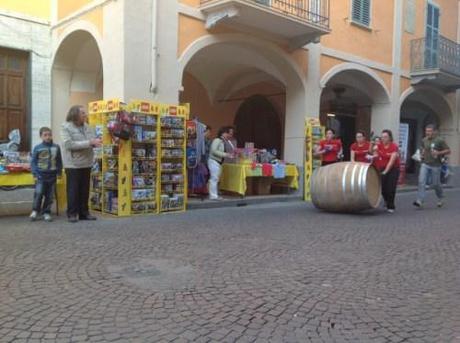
(403, 150)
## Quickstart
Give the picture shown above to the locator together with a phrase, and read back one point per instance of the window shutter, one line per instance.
(356, 10)
(361, 12)
(366, 12)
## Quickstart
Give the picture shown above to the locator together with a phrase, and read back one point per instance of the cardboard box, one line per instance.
(262, 185)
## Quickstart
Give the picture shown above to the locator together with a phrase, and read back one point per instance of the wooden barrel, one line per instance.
(346, 187)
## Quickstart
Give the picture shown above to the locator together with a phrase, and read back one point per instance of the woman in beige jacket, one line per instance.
(78, 140)
(216, 158)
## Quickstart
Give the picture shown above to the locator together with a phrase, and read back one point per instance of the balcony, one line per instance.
(436, 61)
(297, 22)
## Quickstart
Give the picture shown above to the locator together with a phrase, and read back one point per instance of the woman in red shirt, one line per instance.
(359, 151)
(388, 154)
(329, 148)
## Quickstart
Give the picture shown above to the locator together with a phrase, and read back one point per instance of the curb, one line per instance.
(207, 204)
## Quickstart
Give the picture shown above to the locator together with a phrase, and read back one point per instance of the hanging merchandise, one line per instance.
(191, 151)
(196, 158)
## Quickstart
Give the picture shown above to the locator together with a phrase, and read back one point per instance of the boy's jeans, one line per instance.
(425, 172)
(43, 189)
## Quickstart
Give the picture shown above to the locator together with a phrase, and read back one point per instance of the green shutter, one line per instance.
(361, 12)
(356, 10)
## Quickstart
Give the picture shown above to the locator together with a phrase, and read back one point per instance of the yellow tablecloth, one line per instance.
(233, 178)
(27, 179)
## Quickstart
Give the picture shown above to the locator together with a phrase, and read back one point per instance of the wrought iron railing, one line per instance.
(313, 11)
(435, 53)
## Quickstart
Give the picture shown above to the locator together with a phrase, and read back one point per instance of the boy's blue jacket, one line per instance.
(46, 161)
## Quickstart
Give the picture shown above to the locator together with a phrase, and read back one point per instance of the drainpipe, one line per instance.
(154, 49)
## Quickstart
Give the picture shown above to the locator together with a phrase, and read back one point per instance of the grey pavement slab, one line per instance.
(274, 272)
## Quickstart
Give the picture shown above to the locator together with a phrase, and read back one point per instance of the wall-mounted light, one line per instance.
(331, 115)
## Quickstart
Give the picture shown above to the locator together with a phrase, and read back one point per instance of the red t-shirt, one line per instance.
(333, 147)
(361, 151)
(384, 155)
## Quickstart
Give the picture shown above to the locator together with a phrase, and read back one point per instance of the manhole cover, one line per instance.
(161, 274)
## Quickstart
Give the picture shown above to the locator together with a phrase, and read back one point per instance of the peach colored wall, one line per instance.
(83, 98)
(448, 24)
(194, 3)
(375, 44)
(95, 17)
(35, 8)
(405, 84)
(327, 63)
(191, 29)
(223, 113)
(386, 77)
(67, 7)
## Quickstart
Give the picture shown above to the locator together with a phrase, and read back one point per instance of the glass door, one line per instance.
(432, 36)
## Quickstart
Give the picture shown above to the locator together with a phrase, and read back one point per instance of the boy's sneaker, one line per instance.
(47, 217)
(33, 216)
(390, 210)
(440, 203)
(417, 204)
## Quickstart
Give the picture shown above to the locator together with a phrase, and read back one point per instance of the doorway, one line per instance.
(257, 121)
(14, 67)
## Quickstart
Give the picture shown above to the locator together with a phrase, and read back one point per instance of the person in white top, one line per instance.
(217, 155)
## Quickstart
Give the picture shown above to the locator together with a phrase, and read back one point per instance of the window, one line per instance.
(361, 12)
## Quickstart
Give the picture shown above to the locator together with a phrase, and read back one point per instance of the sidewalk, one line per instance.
(19, 202)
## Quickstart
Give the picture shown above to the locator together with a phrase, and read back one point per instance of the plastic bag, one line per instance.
(417, 156)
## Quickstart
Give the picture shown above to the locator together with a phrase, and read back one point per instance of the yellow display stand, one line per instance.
(27, 179)
(111, 182)
(125, 161)
(314, 132)
(234, 176)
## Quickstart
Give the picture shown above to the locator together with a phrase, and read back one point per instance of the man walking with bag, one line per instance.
(432, 151)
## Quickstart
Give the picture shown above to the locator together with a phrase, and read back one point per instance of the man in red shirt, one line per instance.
(329, 148)
(359, 151)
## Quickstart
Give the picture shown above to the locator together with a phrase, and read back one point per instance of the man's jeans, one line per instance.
(429, 173)
(43, 189)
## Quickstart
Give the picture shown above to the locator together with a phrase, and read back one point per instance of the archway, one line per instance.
(221, 72)
(77, 74)
(419, 107)
(354, 98)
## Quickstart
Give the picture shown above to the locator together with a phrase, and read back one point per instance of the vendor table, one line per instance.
(233, 178)
(27, 179)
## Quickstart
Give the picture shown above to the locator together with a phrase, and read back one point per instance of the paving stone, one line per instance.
(274, 272)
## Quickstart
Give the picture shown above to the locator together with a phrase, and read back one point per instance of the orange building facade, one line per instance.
(266, 65)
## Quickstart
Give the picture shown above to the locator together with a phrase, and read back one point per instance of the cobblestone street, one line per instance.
(270, 273)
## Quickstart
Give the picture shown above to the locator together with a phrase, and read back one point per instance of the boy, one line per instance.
(46, 166)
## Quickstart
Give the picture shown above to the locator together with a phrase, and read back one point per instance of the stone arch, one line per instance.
(77, 70)
(250, 54)
(354, 97)
(81, 25)
(434, 99)
(384, 94)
